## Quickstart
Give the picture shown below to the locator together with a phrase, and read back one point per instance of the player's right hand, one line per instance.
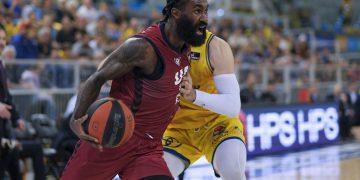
(186, 88)
(77, 128)
(5, 111)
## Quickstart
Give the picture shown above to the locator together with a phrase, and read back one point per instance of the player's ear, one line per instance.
(176, 13)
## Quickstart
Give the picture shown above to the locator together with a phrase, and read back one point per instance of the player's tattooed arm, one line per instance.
(135, 52)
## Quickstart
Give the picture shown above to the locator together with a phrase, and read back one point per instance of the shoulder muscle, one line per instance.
(135, 52)
(221, 56)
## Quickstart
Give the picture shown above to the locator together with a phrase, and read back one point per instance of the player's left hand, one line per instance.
(186, 88)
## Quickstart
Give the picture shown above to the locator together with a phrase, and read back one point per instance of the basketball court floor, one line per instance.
(333, 162)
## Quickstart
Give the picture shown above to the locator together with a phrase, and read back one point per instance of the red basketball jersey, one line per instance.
(154, 99)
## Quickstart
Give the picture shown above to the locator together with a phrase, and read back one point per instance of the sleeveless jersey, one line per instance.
(190, 115)
(154, 99)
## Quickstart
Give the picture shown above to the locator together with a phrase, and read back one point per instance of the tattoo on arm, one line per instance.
(133, 53)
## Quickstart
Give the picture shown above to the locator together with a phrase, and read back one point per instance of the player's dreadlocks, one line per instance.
(172, 4)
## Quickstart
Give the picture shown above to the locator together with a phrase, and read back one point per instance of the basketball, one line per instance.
(110, 121)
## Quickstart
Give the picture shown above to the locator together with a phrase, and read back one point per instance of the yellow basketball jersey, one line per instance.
(190, 115)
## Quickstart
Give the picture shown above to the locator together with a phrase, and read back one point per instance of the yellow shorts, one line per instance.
(191, 144)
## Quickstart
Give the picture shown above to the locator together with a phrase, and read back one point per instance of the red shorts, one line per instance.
(140, 157)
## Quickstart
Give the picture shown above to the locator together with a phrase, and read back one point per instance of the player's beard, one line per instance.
(188, 31)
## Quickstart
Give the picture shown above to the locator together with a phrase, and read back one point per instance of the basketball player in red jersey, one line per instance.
(147, 71)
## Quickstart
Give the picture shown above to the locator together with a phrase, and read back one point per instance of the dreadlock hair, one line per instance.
(172, 4)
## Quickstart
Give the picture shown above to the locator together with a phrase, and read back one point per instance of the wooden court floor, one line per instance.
(336, 162)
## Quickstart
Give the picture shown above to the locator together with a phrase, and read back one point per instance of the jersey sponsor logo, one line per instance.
(195, 56)
(171, 142)
(218, 130)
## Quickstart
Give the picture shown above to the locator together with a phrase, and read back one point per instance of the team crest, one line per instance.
(177, 61)
(218, 130)
(170, 142)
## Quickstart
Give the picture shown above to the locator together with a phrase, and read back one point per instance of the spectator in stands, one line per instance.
(325, 56)
(33, 7)
(41, 101)
(66, 36)
(8, 22)
(49, 8)
(131, 29)
(302, 49)
(15, 7)
(112, 31)
(48, 23)
(72, 7)
(345, 114)
(81, 46)
(25, 43)
(30, 78)
(303, 94)
(155, 17)
(86, 66)
(80, 25)
(97, 27)
(268, 96)
(100, 46)
(238, 40)
(353, 93)
(353, 69)
(13, 71)
(314, 93)
(8, 53)
(247, 94)
(353, 97)
(105, 11)
(122, 15)
(334, 96)
(45, 44)
(344, 109)
(59, 10)
(88, 11)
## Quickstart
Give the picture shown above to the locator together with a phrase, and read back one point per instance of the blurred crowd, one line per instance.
(87, 30)
(47, 29)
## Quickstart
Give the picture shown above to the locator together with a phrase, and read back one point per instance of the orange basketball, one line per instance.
(110, 121)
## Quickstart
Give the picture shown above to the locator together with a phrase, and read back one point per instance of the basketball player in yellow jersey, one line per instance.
(207, 122)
